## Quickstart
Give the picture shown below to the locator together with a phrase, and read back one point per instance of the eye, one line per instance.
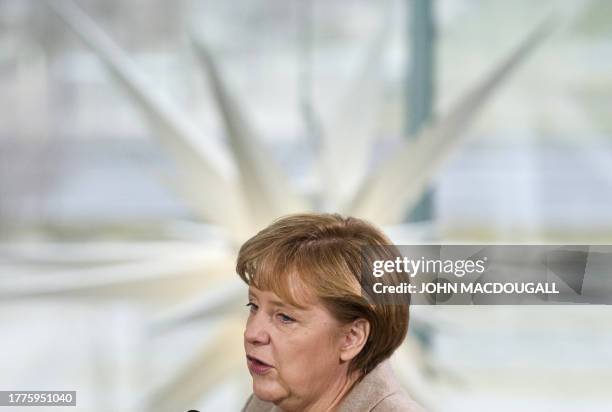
(284, 318)
(252, 307)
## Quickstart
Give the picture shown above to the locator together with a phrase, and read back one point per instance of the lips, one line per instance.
(257, 366)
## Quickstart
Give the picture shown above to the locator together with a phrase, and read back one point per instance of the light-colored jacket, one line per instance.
(378, 391)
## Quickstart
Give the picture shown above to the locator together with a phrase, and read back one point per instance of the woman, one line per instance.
(314, 340)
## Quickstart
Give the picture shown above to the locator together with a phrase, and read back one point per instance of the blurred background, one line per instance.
(141, 142)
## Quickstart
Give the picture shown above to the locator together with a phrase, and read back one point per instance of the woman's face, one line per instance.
(293, 354)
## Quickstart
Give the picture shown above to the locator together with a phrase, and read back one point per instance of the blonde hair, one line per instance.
(324, 253)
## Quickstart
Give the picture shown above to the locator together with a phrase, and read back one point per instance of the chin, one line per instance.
(267, 391)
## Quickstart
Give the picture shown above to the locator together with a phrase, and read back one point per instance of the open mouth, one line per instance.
(257, 366)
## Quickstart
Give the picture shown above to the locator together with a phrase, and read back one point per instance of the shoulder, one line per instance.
(379, 391)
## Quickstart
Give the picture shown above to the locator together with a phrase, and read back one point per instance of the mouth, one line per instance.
(257, 366)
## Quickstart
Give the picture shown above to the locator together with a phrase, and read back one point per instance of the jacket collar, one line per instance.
(373, 388)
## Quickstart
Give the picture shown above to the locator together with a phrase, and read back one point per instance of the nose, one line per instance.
(255, 332)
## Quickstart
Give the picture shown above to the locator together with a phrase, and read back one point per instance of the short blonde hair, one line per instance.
(324, 253)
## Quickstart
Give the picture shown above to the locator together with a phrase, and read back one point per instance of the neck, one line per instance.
(331, 398)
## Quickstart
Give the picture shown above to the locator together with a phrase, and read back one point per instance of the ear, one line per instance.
(354, 339)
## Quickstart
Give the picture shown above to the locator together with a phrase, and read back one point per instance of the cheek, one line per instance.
(308, 355)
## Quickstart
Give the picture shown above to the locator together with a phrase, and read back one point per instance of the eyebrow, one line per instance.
(279, 303)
